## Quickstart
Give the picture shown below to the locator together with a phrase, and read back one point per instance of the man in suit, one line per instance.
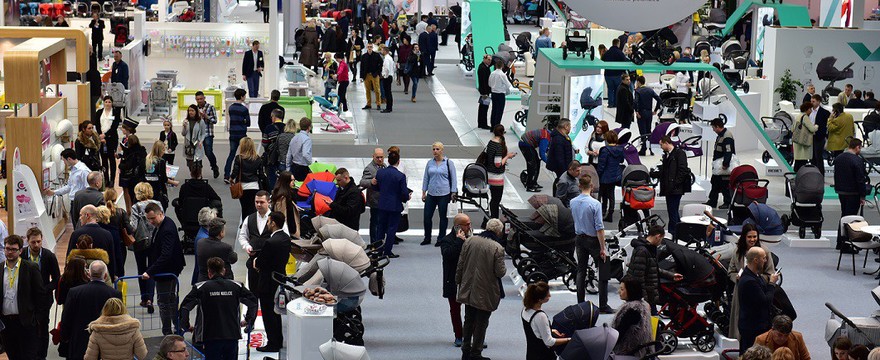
(97, 27)
(393, 192)
(252, 236)
(483, 72)
(83, 305)
(214, 246)
(349, 203)
(755, 298)
(369, 174)
(88, 196)
(101, 239)
(252, 69)
(119, 70)
(272, 258)
(819, 116)
(50, 273)
(625, 102)
(21, 292)
(166, 257)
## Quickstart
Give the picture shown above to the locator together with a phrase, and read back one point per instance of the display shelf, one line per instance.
(824, 241)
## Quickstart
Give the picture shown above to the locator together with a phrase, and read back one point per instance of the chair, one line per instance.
(857, 241)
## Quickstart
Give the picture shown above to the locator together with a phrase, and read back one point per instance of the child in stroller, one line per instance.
(826, 71)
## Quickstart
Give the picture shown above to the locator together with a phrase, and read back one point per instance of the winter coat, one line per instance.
(89, 255)
(633, 321)
(560, 153)
(610, 161)
(348, 205)
(675, 176)
(480, 265)
(115, 337)
(417, 65)
(839, 128)
(804, 152)
(736, 264)
(328, 40)
(309, 55)
(450, 249)
(643, 267)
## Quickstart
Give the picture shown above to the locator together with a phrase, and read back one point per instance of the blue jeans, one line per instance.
(441, 202)
(613, 82)
(233, 149)
(221, 349)
(253, 84)
(209, 151)
(415, 86)
(672, 202)
(498, 102)
(387, 226)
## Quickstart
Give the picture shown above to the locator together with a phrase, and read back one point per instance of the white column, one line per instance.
(273, 49)
(163, 10)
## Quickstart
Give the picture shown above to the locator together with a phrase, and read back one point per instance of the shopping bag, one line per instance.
(717, 163)
(290, 268)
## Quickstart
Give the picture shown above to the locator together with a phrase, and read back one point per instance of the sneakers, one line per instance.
(606, 310)
(533, 189)
(458, 342)
(413, 99)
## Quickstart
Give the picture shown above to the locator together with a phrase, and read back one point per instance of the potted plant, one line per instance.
(788, 87)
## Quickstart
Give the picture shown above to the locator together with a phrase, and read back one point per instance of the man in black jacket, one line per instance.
(820, 117)
(218, 326)
(50, 272)
(101, 238)
(83, 305)
(612, 77)
(252, 236)
(755, 299)
(166, 257)
(214, 247)
(272, 258)
(483, 72)
(643, 99)
(643, 265)
(264, 117)
(196, 188)
(675, 179)
(97, 28)
(371, 69)
(91, 195)
(725, 148)
(252, 69)
(450, 249)
(850, 179)
(560, 153)
(349, 203)
(625, 109)
(19, 314)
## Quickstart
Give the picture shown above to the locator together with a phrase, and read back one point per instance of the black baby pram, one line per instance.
(589, 102)
(826, 71)
(674, 106)
(638, 196)
(657, 45)
(807, 188)
(467, 53)
(523, 44)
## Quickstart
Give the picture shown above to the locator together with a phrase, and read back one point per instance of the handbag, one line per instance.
(483, 158)
(802, 135)
(127, 239)
(235, 189)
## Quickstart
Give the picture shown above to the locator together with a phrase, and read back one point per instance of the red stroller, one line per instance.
(746, 188)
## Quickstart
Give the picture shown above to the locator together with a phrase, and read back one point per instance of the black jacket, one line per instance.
(328, 40)
(272, 258)
(251, 170)
(172, 139)
(197, 188)
(560, 153)
(49, 271)
(348, 205)
(111, 135)
(755, 302)
(483, 72)
(849, 174)
(218, 300)
(157, 177)
(30, 292)
(643, 267)
(209, 248)
(822, 122)
(625, 106)
(101, 239)
(87, 196)
(97, 29)
(131, 165)
(675, 176)
(166, 253)
(247, 65)
(450, 249)
(264, 118)
(83, 305)
(371, 64)
(89, 156)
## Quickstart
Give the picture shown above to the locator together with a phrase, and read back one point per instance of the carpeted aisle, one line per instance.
(420, 123)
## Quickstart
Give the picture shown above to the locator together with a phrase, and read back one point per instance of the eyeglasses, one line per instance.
(12, 249)
(438, 149)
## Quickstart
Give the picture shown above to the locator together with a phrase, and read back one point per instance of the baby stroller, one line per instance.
(859, 330)
(681, 299)
(630, 150)
(657, 45)
(120, 37)
(767, 220)
(778, 128)
(543, 249)
(691, 145)
(523, 44)
(522, 115)
(474, 187)
(577, 43)
(638, 196)
(467, 53)
(826, 71)
(807, 188)
(589, 102)
(746, 188)
(188, 215)
(673, 103)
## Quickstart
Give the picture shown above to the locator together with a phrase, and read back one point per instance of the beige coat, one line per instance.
(480, 266)
(116, 337)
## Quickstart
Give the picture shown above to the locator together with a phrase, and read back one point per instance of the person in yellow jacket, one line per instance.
(840, 127)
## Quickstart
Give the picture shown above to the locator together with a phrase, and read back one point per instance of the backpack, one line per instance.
(143, 231)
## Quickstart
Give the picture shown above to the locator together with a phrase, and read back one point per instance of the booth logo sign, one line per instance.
(864, 53)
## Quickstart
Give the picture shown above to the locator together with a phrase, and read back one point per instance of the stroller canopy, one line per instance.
(339, 231)
(695, 268)
(319, 221)
(591, 344)
(588, 101)
(347, 252)
(742, 173)
(475, 181)
(558, 221)
(766, 219)
(826, 70)
(342, 280)
(809, 185)
(663, 129)
(576, 317)
(634, 175)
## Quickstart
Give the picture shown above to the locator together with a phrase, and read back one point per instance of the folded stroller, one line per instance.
(638, 196)
(826, 71)
(778, 129)
(746, 188)
(807, 188)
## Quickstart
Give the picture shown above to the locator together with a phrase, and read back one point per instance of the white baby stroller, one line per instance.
(778, 129)
(859, 330)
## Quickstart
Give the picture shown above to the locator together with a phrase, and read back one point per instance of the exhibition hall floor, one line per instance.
(412, 321)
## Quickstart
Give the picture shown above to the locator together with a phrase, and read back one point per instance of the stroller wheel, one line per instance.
(817, 231)
(637, 57)
(570, 280)
(765, 157)
(592, 53)
(786, 222)
(668, 341)
(802, 232)
(666, 57)
(564, 53)
(710, 308)
(705, 342)
(535, 277)
(520, 117)
(527, 270)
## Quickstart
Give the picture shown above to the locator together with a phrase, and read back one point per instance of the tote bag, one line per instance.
(801, 134)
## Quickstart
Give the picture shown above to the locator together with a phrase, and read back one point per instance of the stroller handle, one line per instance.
(849, 322)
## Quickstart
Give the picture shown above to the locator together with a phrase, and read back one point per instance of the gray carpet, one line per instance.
(420, 123)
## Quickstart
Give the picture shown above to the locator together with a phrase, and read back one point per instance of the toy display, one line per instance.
(205, 46)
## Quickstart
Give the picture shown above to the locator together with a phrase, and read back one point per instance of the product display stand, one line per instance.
(306, 331)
